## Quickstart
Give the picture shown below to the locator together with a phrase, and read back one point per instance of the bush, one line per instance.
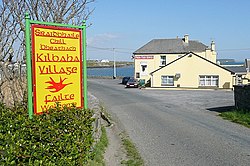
(55, 138)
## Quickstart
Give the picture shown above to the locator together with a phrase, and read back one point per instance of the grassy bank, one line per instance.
(134, 158)
(99, 150)
(237, 116)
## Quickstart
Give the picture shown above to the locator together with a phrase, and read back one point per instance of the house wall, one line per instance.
(149, 60)
(190, 68)
(154, 63)
(209, 55)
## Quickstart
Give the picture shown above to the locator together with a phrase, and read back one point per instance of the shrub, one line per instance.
(55, 138)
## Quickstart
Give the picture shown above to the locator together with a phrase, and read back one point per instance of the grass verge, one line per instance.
(99, 150)
(238, 116)
(134, 158)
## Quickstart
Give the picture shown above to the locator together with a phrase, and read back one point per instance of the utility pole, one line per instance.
(114, 76)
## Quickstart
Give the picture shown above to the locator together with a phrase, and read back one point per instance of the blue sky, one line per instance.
(126, 25)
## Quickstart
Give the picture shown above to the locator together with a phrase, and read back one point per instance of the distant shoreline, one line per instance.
(108, 66)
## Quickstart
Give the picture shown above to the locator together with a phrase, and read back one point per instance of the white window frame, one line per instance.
(209, 80)
(167, 80)
(163, 60)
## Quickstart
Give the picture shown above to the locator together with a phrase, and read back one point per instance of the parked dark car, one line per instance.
(132, 83)
(125, 80)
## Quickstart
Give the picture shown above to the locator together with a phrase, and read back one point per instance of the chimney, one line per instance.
(212, 46)
(186, 38)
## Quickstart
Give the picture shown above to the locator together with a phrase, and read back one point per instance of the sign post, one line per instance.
(84, 65)
(28, 64)
(58, 64)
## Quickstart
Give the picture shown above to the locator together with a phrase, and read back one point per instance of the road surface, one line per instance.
(176, 127)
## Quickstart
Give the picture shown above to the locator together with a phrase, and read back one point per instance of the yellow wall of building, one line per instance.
(150, 66)
(190, 68)
(154, 64)
(209, 55)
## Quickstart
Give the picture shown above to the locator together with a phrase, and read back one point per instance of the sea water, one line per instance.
(109, 72)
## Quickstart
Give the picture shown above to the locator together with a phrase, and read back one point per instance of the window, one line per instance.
(208, 80)
(163, 61)
(137, 75)
(167, 80)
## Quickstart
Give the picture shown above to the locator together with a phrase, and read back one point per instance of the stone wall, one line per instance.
(242, 97)
(94, 105)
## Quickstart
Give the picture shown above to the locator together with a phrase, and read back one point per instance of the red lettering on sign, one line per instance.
(55, 58)
(53, 69)
(144, 57)
(47, 107)
(57, 41)
(71, 35)
(58, 98)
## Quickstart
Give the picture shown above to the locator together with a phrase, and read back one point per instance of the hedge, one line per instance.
(54, 138)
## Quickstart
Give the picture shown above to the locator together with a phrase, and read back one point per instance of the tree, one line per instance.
(12, 41)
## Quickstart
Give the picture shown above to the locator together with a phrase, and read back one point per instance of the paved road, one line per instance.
(176, 127)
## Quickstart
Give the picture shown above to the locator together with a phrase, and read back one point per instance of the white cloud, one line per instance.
(101, 38)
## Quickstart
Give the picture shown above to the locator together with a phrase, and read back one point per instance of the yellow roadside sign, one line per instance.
(57, 67)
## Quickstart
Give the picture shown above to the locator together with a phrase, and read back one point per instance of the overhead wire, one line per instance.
(234, 49)
(127, 50)
(111, 49)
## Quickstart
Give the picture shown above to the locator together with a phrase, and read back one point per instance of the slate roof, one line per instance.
(236, 69)
(159, 46)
